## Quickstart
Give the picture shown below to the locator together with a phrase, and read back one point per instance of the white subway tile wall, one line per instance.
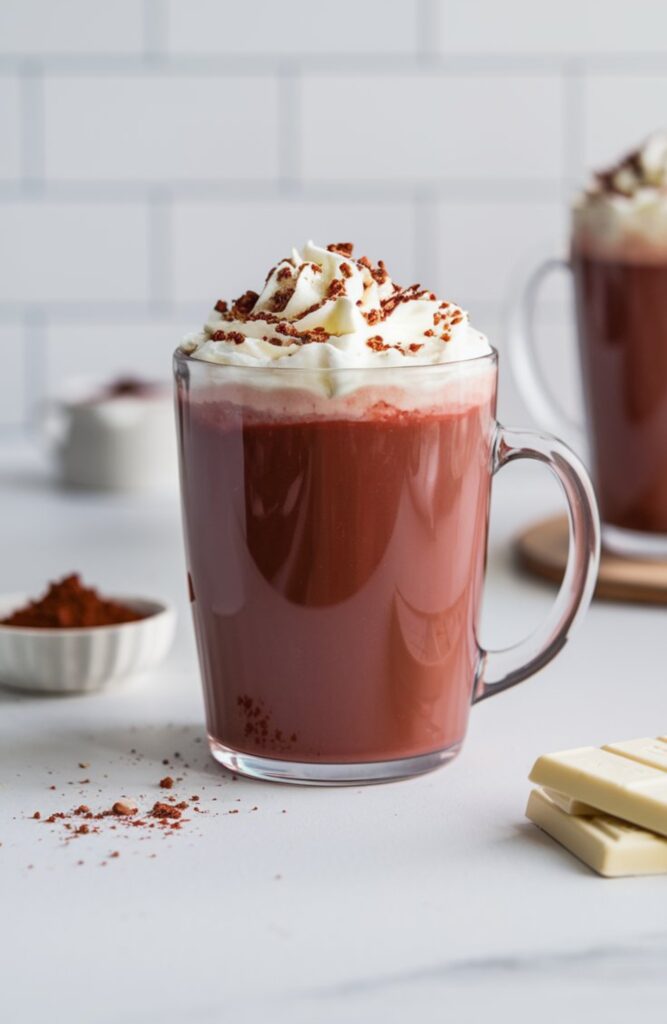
(619, 109)
(532, 28)
(252, 27)
(13, 387)
(118, 347)
(71, 27)
(160, 127)
(432, 128)
(222, 248)
(483, 243)
(159, 154)
(10, 128)
(54, 252)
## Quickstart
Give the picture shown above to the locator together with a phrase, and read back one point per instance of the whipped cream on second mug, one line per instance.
(323, 309)
(623, 212)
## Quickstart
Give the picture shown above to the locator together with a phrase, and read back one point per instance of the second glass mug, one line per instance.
(621, 316)
(336, 530)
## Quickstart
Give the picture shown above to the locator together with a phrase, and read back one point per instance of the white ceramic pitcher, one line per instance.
(114, 442)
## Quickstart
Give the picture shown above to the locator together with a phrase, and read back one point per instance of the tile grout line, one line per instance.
(32, 128)
(481, 190)
(428, 22)
(159, 249)
(154, 58)
(289, 127)
(155, 30)
(427, 269)
(34, 364)
(574, 115)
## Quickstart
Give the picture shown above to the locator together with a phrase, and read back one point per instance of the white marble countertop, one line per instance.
(425, 900)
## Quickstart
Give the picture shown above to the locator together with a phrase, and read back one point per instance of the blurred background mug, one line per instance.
(621, 319)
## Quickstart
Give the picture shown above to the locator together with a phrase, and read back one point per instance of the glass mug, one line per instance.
(336, 529)
(621, 316)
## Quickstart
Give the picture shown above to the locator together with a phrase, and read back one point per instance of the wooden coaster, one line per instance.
(542, 550)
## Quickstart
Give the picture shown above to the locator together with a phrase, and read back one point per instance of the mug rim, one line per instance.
(450, 366)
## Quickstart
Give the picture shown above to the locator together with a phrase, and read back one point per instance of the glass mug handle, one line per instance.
(531, 380)
(498, 670)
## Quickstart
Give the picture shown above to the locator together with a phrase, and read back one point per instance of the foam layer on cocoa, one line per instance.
(279, 395)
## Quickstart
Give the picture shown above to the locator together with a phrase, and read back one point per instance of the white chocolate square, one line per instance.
(611, 847)
(610, 781)
(652, 752)
(570, 805)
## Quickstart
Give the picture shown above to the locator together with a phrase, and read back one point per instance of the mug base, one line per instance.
(312, 773)
(633, 544)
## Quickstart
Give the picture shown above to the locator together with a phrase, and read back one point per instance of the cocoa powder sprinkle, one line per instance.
(286, 274)
(234, 336)
(311, 309)
(280, 299)
(244, 304)
(341, 248)
(163, 810)
(336, 288)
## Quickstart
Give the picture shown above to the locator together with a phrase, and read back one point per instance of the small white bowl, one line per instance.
(87, 659)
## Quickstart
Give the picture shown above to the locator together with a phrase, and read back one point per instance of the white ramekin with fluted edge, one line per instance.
(83, 660)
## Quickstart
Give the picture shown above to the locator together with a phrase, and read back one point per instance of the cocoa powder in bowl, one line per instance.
(68, 604)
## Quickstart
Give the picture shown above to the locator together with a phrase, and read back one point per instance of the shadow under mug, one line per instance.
(621, 319)
(336, 545)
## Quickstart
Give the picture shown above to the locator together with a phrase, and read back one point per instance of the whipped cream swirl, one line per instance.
(322, 308)
(623, 213)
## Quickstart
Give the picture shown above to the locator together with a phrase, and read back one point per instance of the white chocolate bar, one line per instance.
(609, 781)
(645, 751)
(570, 805)
(611, 847)
(652, 752)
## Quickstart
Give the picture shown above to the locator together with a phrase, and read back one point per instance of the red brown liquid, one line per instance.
(336, 569)
(622, 320)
